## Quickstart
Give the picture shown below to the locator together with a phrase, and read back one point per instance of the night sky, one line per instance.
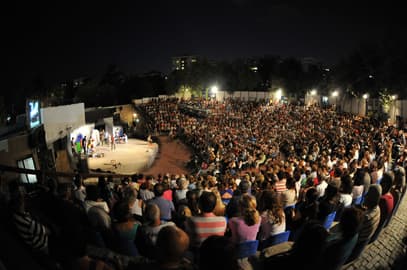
(64, 41)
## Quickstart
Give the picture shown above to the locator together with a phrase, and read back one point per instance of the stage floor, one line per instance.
(135, 156)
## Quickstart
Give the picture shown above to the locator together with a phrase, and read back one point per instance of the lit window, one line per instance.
(193, 60)
(27, 163)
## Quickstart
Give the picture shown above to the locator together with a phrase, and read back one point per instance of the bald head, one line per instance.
(172, 243)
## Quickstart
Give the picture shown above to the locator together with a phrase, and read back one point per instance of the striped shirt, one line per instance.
(281, 185)
(32, 232)
(206, 225)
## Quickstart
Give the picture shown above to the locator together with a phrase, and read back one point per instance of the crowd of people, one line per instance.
(263, 169)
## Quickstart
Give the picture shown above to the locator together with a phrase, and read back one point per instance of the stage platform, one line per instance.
(132, 157)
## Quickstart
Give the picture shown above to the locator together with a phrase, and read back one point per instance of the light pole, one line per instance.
(365, 97)
(335, 95)
(393, 107)
(313, 94)
(214, 91)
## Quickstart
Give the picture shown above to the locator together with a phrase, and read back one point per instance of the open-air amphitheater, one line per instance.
(269, 145)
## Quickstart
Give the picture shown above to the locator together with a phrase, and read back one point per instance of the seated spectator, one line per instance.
(192, 202)
(329, 203)
(226, 192)
(220, 208)
(246, 226)
(93, 198)
(32, 232)
(105, 192)
(148, 232)
(358, 185)
(206, 224)
(183, 213)
(180, 194)
(80, 190)
(72, 224)
(167, 190)
(171, 247)
(218, 252)
(136, 205)
(289, 196)
(97, 210)
(399, 177)
(125, 229)
(306, 252)
(345, 191)
(272, 216)
(371, 219)
(166, 207)
(321, 187)
(342, 238)
(146, 192)
(386, 202)
(232, 209)
(305, 211)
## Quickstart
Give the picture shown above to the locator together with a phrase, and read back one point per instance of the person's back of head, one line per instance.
(171, 245)
(101, 182)
(65, 191)
(358, 178)
(78, 180)
(331, 191)
(311, 242)
(151, 214)
(158, 190)
(244, 186)
(350, 221)
(92, 193)
(121, 211)
(207, 202)
(346, 184)
(311, 195)
(387, 182)
(217, 252)
(372, 197)
(248, 209)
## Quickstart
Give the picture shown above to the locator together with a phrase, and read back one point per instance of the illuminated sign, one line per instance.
(33, 113)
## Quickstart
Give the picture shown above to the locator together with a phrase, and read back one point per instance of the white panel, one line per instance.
(61, 120)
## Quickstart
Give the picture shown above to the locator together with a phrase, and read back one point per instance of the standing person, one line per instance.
(73, 146)
(149, 140)
(112, 143)
(102, 136)
(84, 145)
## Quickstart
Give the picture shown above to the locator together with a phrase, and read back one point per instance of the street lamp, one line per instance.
(313, 92)
(365, 97)
(279, 94)
(214, 90)
(335, 95)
